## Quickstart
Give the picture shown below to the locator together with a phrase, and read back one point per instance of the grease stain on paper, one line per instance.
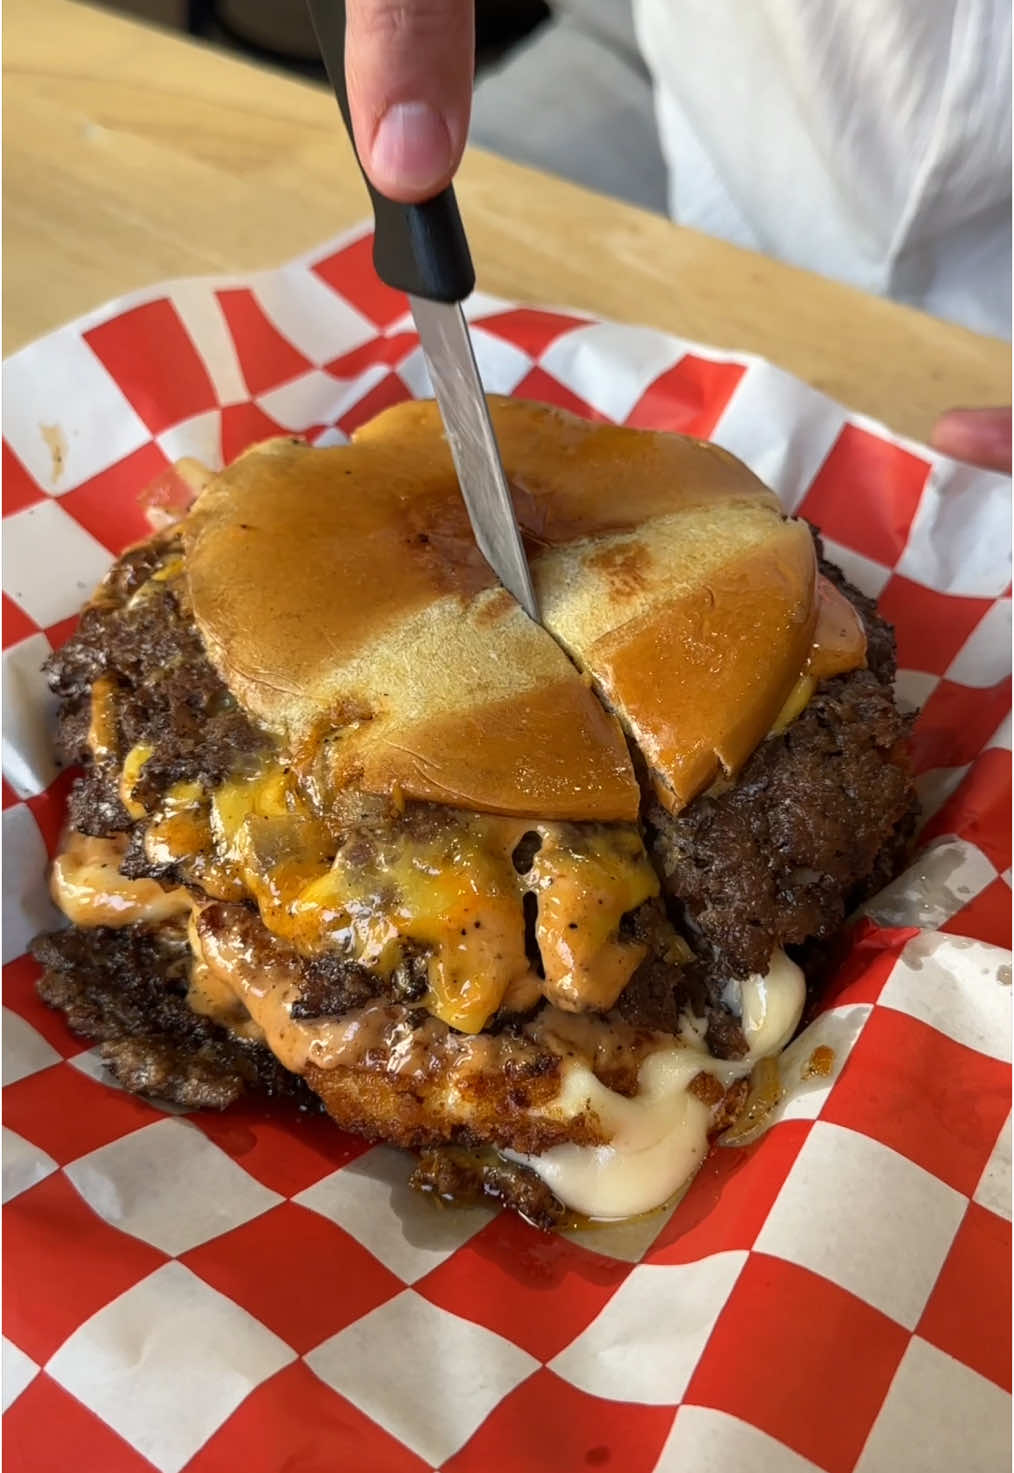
(56, 443)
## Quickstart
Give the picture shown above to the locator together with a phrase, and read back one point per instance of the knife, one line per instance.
(421, 249)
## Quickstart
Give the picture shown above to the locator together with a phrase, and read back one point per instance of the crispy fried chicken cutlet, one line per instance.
(531, 902)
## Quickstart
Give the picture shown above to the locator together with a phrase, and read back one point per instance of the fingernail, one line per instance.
(411, 148)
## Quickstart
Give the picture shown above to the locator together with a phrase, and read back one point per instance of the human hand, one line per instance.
(409, 67)
(982, 436)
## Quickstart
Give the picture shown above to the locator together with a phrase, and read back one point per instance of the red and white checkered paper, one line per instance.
(249, 1291)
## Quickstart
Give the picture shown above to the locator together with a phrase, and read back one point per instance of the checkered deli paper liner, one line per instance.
(250, 1293)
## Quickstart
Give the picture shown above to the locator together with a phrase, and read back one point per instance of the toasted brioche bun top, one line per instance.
(342, 598)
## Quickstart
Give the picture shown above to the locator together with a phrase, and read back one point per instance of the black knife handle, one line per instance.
(419, 249)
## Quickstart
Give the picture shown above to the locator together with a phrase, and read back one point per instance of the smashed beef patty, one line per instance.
(787, 852)
(163, 692)
(126, 989)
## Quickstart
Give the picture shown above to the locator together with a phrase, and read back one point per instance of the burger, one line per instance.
(538, 903)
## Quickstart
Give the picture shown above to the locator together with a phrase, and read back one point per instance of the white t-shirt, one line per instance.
(869, 140)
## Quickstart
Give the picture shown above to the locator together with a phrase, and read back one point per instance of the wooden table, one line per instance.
(132, 155)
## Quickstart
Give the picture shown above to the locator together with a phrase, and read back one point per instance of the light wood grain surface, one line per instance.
(131, 156)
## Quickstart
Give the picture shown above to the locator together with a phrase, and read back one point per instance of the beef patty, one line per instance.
(126, 989)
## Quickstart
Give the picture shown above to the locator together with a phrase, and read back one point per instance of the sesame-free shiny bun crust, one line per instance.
(342, 598)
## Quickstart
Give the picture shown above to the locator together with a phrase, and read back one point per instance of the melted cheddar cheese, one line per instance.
(102, 726)
(451, 895)
(129, 777)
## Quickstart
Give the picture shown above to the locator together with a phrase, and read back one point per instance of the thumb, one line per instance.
(409, 66)
(982, 436)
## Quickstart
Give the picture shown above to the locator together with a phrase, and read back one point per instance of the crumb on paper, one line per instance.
(1003, 974)
(819, 1064)
(56, 443)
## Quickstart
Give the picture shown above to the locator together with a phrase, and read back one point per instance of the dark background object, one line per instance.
(279, 31)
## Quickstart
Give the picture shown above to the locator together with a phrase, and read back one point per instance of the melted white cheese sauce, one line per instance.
(659, 1136)
(771, 1006)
